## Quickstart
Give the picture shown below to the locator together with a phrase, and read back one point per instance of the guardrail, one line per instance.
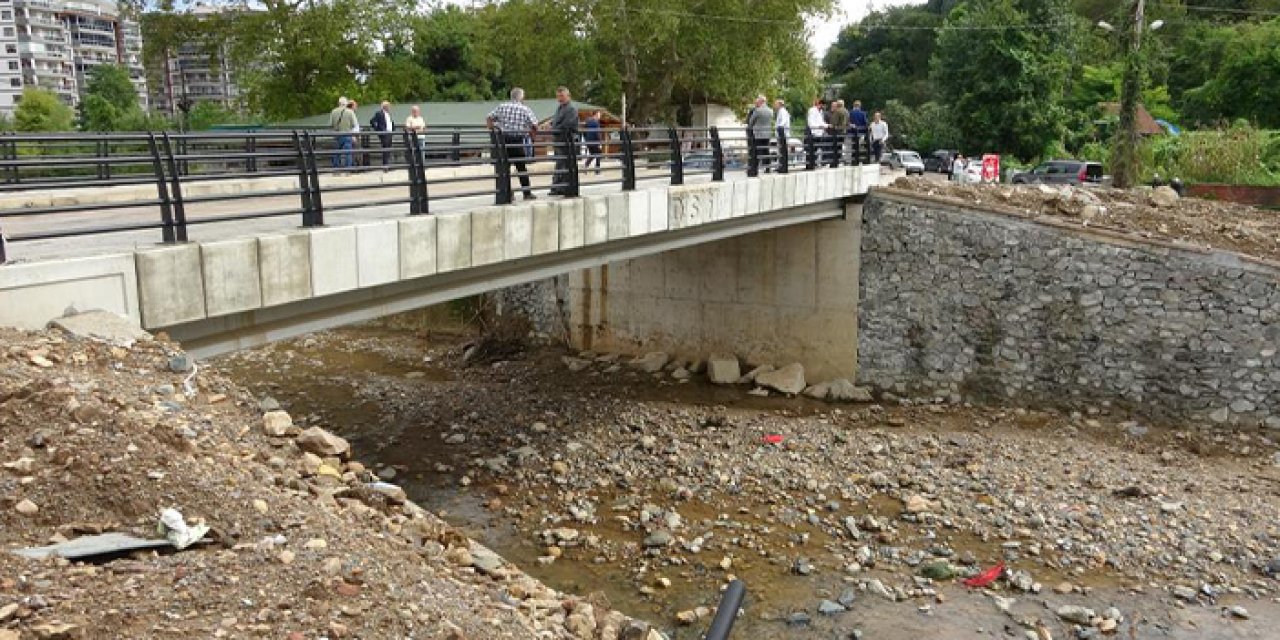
(421, 168)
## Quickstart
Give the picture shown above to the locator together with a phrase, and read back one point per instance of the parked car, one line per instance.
(970, 173)
(906, 160)
(1075, 172)
(940, 161)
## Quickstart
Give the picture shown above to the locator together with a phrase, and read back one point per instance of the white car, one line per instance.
(971, 173)
(909, 161)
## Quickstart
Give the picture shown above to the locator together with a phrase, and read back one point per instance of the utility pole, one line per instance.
(1124, 157)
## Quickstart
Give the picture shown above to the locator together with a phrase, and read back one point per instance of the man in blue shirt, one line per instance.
(860, 129)
(592, 137)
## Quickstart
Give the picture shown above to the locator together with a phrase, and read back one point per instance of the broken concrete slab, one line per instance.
(103, 326)
(88, 547)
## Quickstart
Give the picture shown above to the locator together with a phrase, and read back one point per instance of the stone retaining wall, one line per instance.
(988, 306)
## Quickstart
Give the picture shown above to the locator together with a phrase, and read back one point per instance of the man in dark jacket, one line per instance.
(564, 126)
(384, 124)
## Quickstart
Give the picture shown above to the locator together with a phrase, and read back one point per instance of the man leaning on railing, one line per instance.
(515, 121)
(564, 128)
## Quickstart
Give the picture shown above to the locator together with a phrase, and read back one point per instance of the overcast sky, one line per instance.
(826, 31)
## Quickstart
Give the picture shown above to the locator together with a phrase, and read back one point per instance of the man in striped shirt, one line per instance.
(515, 121)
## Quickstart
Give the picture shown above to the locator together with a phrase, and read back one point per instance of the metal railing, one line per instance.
(40, 173)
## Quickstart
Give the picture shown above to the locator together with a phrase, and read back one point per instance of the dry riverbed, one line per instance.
(845, 520)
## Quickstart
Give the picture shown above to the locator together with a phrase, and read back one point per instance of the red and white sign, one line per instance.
(990, 167)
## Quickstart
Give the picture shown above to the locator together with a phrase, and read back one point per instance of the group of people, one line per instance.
(830, 127)
(343, 120)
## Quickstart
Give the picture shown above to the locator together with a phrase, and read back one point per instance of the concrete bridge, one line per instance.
(250, 286)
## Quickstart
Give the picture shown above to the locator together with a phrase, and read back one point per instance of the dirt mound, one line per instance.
(1158, 213)
(98, 438)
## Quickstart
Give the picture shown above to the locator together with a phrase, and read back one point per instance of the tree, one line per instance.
(1236, 71)
(453, 47)
(1000, 71)
(41, 111)
(110, 101)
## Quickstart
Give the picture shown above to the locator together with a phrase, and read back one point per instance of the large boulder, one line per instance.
(844, 391)
(789, 379)
(322, 443)
(1164, 197)
(651, 362)
(723, 369)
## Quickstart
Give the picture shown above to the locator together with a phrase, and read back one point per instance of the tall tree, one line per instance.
(41, 111)
(1000, 68)
(110, 101)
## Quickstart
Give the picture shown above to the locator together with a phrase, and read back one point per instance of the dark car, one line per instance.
(940, 161)
(1076, 172)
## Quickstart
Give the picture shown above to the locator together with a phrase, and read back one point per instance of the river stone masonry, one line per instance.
(980, 305)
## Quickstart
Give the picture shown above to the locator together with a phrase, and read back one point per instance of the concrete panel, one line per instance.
(518, 230)
(682, 274)
(232, 282)
(659, 210)
(811, 188)
(284, 268)
(170, 286)
(572, 214)
(691, 205)
(487, 237)
(32, 294)
(335, 268)
(839, 261)
(378, 253)
(753, 196)
(795, 267)
(782, 192)
(738, 203)
(754, 284)
(717, 271)
(546, 228)
(765, 203)
(638, 212)
(453, 241)
(417, 247)
(648, 277)
(723, 207)
(619, 216)
(595, 220)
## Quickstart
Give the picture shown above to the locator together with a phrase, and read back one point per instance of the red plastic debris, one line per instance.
(986, 577)
(772, 438)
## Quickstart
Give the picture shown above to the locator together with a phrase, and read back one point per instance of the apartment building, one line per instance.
(10, 62)
(197, 72)
(57, 43)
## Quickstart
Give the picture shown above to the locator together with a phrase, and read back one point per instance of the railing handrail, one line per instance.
(174, 161)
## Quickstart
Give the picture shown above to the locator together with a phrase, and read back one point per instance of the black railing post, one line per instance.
(501, 166)
(836, 140)
(100, 152)
(810, 150)
(251, 147)
(628, 160)
(10, 147)
(572, 188)
(182, 151)
(162, 189)
(753, 155)
(304, 178)
(175, 188)
(455, 148)
(418, 203)
(677, 157)
(717, 156)
(316, 217)
(3, 258)
(784, 151)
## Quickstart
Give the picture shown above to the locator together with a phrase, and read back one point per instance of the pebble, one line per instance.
(1185, 593)
(1075, 614)
(829, 608)
(1239, 612)
(26, 507)
(658, 538)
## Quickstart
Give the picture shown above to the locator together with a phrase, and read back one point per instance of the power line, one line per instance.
(1205, 9)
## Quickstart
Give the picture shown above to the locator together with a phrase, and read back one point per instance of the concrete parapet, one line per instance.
(572, 223)
(638, 212)
(334, 267)
(31, 294)
(619, 216)
(595, 218)
(170, 286)
(738, 199)
(753, 198)
(417, 236)
(518, 232)
(232, 281)
(284, 268)
(546, 228)
(453, 241)
(691, 205)
(765, 202)
(378, 253)
(487, 235)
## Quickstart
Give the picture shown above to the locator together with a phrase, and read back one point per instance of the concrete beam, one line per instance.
(170, 286)
(232, 281)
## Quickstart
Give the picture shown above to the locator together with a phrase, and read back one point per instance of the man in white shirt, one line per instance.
(879, 135)
(816, 121)
(782, 122)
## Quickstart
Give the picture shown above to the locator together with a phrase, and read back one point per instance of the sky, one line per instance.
(825, 31)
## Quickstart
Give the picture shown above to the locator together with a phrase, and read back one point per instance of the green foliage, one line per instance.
(1241, 154)
(41, 111)
(206, 115)
(110, 101)
(451, 45)
(1002, 81)
(886, 56)
(922, 128)
(1240, 71)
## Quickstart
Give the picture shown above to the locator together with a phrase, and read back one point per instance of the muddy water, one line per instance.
(346, 381)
